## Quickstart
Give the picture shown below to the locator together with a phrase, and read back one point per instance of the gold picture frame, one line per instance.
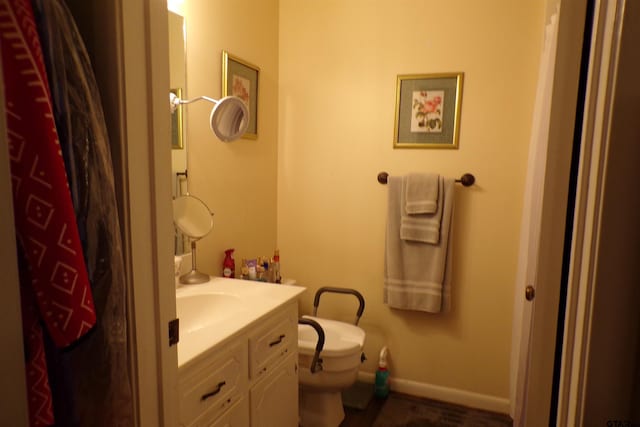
(177, 127)
(428, 110)
(241, 78)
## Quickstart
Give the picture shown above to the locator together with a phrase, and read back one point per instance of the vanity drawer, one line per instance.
(273, 342)
(236, 416)
(213, 386)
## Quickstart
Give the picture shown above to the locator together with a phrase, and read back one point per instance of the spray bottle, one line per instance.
(228, 264)
(277, 278)
(382, 375)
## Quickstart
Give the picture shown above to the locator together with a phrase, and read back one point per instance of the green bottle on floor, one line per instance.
(382, 375)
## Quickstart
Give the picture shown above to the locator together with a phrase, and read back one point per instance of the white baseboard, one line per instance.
(445, 394)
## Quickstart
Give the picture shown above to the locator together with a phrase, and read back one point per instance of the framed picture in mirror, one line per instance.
(241, 78)
(177, 141)
(428, 110)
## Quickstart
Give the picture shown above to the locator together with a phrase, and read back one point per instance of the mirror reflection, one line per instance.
(228, 120)
(178, 84)
(237, 181)
(177, 134)
(192, 217)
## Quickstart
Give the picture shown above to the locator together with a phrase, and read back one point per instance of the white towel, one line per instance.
(421, 193)
(417, 276)
(421, 227)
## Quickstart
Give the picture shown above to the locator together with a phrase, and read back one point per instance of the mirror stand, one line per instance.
(193, 277)
(193, 219)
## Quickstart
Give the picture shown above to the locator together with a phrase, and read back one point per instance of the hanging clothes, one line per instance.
(93, 382)
(57, 279)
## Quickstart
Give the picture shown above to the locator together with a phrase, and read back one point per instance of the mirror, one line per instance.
(177, 76)
(229, 118)
(192, 217)
(177, 133)
(178, 83)
(204, 156)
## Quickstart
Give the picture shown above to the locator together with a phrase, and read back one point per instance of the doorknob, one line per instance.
(530, 293)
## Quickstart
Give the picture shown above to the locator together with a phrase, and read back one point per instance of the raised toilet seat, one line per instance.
(329, 356)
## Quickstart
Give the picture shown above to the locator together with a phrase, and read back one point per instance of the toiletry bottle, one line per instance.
(251, 265)
(260, 270)
(244, 270)
(382, 375)
(229, 264)
(276, 267)
(265, 268)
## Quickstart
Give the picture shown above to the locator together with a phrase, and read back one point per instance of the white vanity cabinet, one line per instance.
(212, 387)
(236, 416)
(273, 370)
(274, 399)
(250, 379)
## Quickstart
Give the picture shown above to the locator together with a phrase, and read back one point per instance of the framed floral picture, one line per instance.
(241, 79)
(428, 110)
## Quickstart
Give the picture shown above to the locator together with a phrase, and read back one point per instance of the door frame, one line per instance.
(590, 199)
(538, 344)
(148, 221)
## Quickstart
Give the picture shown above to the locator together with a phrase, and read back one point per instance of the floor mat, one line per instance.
(358, 395)
(408, 411)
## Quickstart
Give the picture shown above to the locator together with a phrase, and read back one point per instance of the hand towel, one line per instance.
(421, 193)
(417, 276)
(423, 228)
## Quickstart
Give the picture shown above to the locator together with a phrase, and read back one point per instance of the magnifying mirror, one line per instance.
(229, 117)
(194, 219)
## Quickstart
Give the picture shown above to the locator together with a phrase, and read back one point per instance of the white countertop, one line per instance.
(215, 311)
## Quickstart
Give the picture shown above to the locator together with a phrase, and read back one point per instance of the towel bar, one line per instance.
(466, 180)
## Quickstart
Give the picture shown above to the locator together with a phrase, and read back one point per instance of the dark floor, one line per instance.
(400, 410)
(362, 417)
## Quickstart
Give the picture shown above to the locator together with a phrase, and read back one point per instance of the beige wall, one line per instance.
(238, 180)
(338, 66)
(326, 110)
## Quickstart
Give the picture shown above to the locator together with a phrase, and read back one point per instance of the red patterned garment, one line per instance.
(58, 294)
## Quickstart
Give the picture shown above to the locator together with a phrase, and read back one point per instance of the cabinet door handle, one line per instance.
(278, 341)
(214, 392)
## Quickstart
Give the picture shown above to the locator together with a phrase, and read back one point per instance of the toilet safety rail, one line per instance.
(319, 292)
(316, 362)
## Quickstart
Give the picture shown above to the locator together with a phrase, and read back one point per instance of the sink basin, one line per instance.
(213, 312)
(198, 311)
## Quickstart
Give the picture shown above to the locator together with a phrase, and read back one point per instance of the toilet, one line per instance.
(336, 369)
